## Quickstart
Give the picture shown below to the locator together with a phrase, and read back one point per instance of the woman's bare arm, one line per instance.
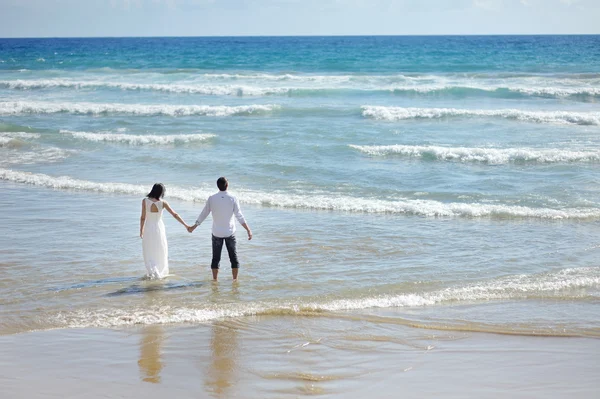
(175, 214)
(142, 219)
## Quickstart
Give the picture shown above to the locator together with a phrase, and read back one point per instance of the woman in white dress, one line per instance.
(152, 232)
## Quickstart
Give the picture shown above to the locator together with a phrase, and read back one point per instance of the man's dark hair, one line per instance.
(222, 183)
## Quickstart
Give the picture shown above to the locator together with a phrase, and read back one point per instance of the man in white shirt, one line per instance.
(223, 207)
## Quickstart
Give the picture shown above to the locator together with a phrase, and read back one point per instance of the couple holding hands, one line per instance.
(223, 207)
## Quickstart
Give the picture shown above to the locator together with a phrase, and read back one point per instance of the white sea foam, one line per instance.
(134, 139)
(20, 135)
(557, 117)
(222, 90)
(486, 155)
(556, 91)
(536, 84)
(546, 285)
(6, 141)
(566, 283)
(67, 183)
(16, 139)
(330, 201)
(459, 89)
(254, 85)
(84, 108)
(15, 156)
(284, 77)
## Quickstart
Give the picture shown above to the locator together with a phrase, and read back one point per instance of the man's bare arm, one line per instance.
(245, 225)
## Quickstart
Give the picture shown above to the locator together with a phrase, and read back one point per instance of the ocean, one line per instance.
(405, 186)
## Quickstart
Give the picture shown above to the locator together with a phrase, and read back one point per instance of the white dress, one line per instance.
(154, 241)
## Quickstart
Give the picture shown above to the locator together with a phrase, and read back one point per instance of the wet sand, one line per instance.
(289, 357)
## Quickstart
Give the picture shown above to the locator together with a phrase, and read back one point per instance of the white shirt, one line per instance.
(223, 207)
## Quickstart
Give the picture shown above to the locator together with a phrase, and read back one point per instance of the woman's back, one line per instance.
(154, 242)
(154, 209)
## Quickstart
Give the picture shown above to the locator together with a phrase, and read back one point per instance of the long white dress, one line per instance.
(154, 242)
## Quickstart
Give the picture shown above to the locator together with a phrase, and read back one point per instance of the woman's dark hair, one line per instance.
(157, 192)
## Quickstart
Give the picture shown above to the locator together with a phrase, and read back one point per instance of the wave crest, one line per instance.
(566, 283)
(133, 139)
(485, 155)
(254, 85)
(22, 107)
(395, 114)
(16, 139)
(216, 90)
(338, 203)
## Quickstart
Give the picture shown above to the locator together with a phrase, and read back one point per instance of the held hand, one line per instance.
(190, 229)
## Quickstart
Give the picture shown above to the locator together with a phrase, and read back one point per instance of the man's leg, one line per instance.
(217, 247)
(230, 243)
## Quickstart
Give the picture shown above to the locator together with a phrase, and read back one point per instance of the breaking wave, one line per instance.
(484, 155)
(556, 117)
(33, 156)
(562, 284)
(223, 90)
(317, 85)
(16, 139)
(330, 202)
(133, 139)
(22, 107)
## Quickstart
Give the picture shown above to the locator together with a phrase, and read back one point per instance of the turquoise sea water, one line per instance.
(447, 182)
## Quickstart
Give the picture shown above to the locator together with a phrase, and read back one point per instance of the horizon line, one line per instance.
(307, 35)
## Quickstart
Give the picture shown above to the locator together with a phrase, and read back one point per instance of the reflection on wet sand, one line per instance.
(150, 361)
(220, 376)
(221, 373)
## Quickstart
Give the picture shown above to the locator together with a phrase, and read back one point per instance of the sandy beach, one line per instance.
(289, 357)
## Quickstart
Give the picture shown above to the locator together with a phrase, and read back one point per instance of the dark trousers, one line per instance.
(217, 247)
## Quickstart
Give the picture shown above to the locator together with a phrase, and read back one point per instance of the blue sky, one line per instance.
(60, 18)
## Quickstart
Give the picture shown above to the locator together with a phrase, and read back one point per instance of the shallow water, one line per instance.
(440, 183)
